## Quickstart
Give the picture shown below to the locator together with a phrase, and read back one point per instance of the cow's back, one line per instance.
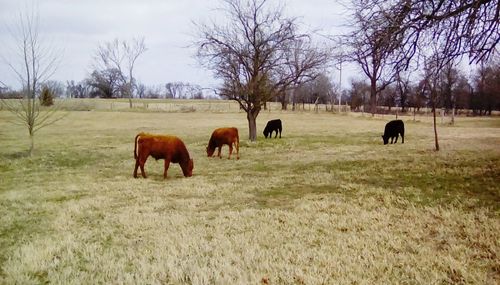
(273, 124)
(394, 127)
(161, 147)
(222, 136)
(277, 123)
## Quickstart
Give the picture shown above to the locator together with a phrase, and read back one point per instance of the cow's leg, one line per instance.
(136, 167)
(237, 144)
(392, 139)
(397, 136)
(280, 133)
(230, 150)
(276, 134)
(142, 161)
(167, 164)
(218, 152)
(402, 137)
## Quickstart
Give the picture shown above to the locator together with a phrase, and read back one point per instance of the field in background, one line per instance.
(326, 204)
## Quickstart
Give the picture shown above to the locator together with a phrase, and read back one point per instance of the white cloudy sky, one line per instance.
(77, 27)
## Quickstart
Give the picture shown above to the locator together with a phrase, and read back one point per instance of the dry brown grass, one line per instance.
(326, 204)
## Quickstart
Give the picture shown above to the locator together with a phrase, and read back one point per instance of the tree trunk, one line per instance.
(252, 124)
(284, 104)
(373, 96)
(435, 128)
(340, 100)
(129, 91)
(32, 145)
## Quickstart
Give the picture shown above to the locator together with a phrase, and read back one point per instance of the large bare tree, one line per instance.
(373, 44)
(36, 63)
(388, 34)
(461, 27)
(469, 27)
(258, 53)
(121, 55)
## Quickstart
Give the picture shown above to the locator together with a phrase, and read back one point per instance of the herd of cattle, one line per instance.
(172, 149)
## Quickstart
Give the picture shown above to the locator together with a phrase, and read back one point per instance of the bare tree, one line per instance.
(105, 83)
(486, 98)
(318, 90)
(417, 98)
(141, 90)
(37, 64)
(358, 93)
(403, 88)
(374, 44)
(431, 86)
(77, 90)
(456, 27)
(121, 56)
(463, 92)
(464, 27)
(176, 90)
(389, 97)
(258, 54)
(449, 77)
(406, 26)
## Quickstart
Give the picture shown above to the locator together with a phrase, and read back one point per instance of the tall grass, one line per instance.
(326, 204)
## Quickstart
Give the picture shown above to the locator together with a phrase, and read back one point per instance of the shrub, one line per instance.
(46, 97)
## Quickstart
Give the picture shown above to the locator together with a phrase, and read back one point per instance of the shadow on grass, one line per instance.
(282, 197)
(471, 182)
(15, 155)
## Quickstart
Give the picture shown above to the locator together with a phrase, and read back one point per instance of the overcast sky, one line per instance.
(77, 27)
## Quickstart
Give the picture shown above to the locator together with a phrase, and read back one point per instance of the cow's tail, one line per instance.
(237, 145)
(135, 145)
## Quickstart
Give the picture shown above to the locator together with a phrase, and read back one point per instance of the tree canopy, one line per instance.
(258, 53)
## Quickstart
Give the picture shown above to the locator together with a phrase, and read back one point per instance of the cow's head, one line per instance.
(385, 138)
(265, 132)
(210, 151)
(187, 170)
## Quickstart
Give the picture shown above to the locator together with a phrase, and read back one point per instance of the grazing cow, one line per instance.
(169, 148)
(273, 125)
(221, 137)
(392, 130)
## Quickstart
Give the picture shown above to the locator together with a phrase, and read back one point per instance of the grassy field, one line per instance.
(326, 204)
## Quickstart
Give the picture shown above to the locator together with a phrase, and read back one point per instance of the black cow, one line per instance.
(273, 125)
(392, 130)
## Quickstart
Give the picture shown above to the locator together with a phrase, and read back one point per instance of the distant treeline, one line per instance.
(452, 89)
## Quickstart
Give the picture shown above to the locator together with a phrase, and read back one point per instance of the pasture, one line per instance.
(327, 203)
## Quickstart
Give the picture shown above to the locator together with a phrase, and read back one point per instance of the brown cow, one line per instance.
(221, 137)
(170, 148)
